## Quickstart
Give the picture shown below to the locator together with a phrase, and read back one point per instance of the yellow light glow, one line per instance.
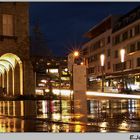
(53, 70)
(43, 107)
(82, 63)
(117, 95)
(63, 92)
(44, 81)
(66, 69)
(102, 59)
(22, 108)
(47, 90)
(76, 54)
(122, 53)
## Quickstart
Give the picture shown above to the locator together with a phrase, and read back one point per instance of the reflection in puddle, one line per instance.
(103, 116)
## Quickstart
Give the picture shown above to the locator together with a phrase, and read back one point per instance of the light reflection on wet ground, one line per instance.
(103, 116)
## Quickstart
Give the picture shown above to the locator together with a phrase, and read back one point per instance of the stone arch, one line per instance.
(11, 64)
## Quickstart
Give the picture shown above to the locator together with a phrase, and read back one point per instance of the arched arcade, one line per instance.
(11, 74)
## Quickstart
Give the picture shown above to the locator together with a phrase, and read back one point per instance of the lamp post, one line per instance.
(75, 55)
(122, 54)
(102, 59)
(59, 71)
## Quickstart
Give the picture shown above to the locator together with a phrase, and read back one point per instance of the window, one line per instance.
(91, 70)
(108, 65)
(117, 39)
(116, 54)
(130, 33)
(125, 36)
(138, 62)
(138, 46)
(7, 21)
(129, 62)
(85, 51)
(108, 39)
(132, 48)
(108, 52)
(119, 66)
(102, 43)
(137, 29)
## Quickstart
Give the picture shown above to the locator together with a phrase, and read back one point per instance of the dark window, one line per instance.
(108, 65)
(108, 39)
(108, 52)
(91, 70)
(116, 54)
(137, 29)
(138, 45)
(85, 51)
(129, 64)
(125, 36)
(119, 66)
(132, 48)
(102, 43)
(117, 39)
(138, 62)
(130, 33)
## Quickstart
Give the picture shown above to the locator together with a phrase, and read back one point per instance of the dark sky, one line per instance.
(65, 22)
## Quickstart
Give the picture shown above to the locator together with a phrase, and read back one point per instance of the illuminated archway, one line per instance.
(8, 65)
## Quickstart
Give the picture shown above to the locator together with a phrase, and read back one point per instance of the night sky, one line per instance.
(64, 23)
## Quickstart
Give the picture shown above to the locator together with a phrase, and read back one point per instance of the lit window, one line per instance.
(53, 70)
(7, 25)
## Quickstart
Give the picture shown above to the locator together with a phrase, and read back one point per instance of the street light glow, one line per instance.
(102, 59)
(122, 53)
(76, 54)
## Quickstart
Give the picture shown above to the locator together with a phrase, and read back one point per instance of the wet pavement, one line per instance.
(103, 116)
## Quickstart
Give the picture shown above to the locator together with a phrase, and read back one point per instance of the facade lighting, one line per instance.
(122, 53)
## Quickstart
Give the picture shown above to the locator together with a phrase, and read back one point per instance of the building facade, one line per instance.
(51, 73)
(16, 71)
(123, 33)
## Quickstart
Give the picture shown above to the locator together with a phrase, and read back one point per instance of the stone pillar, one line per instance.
(17, 108)
(5, 81)
(79, 89)
(17, 80)
(29, 78)
(10, 82)
(30, 108)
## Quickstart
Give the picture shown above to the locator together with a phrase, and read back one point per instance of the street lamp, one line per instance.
(122, 54)
(102, 59)
(75, 54)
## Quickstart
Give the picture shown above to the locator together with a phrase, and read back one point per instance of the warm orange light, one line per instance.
(102, 59)
(76, 54)
(82, 63)
(122, 53)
